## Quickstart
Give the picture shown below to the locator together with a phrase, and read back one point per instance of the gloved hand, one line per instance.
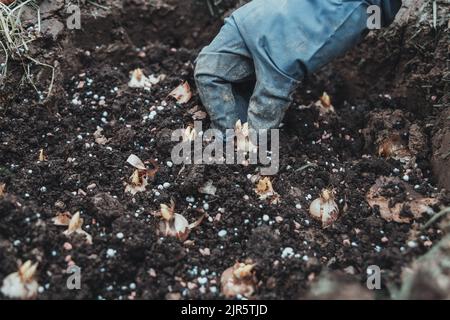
(264, 50)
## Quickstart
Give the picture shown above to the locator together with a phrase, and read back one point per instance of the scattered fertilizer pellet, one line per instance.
(222, 233)
(288, 252)
(412, 244)
(110, 253)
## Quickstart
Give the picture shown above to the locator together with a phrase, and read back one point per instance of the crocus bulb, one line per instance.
(325, 208)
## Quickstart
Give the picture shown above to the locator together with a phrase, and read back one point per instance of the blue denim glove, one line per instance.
(264, 50)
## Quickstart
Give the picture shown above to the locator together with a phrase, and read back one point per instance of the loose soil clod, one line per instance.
(397, 201)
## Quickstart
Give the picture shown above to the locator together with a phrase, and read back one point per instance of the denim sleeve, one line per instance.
(286, 35)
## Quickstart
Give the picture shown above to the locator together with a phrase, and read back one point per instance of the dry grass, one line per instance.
(436, 217)
(15, 40)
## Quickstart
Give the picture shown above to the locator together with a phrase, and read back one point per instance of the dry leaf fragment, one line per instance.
(75, 224)
(42, 157)
(7, 2)
(238, 280)
(62, 219)
(199, 115)
(243, 271)
(208, 188)
(173, 296)
(2, 189)
(392, 147)
(174, 224)
(205, 251)
(324, 105)
(325, 208)
(21, 284)
(265, 191)
(193, 110)
(99, 137)
(156, 79)
(394, 136)
(383, 193)
(81, 84)
(139, 80)
(182, 93)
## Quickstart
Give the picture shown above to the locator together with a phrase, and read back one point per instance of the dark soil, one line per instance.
(146, 266)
